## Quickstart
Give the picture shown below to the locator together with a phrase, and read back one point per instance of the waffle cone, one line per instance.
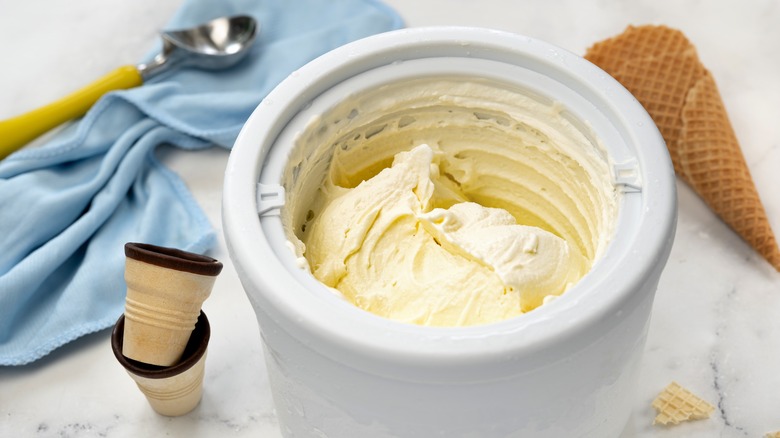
(660, 67)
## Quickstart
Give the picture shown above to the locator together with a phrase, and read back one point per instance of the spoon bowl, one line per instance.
(217, 44)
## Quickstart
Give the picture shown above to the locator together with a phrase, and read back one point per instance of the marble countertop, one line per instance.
(715, 327)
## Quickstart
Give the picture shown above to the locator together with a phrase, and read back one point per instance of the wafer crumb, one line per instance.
(773, 434)
(676, 404)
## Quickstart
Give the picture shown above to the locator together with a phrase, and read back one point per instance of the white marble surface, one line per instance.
(715, 325)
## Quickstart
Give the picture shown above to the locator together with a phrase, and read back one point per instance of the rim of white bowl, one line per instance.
(320, 320)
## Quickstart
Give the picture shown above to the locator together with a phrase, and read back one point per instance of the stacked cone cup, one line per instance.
(174, 390)
(162, 337)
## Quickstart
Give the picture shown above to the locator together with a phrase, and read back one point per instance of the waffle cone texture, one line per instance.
(676, 404)
(660, 67)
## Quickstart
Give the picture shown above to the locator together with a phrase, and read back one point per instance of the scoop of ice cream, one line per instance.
(406, 245)
(531, 262)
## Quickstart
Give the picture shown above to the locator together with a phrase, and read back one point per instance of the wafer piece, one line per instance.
(676, 404)
(773, 435)
(661, 68)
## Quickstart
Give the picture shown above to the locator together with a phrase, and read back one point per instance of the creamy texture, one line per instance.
(388, 252)
(446, 201)
(532, 263)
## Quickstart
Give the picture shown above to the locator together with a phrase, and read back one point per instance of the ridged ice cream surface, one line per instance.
(456, 204)
(384, 247)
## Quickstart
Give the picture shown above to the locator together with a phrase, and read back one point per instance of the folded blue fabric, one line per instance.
(67, 208)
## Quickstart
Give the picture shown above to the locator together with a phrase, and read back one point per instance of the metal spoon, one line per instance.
(216, 44)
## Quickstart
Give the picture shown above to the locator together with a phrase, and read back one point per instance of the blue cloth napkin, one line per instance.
(67, 208)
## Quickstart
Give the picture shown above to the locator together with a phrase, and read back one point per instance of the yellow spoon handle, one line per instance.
(20, 130)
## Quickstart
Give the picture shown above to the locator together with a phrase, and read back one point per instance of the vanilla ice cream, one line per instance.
(448, 201)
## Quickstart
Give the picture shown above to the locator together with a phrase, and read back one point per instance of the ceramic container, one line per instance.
(568, 368)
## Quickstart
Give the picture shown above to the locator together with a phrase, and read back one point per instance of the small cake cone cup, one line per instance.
(166, 289)
(660, 67)
(171, 391)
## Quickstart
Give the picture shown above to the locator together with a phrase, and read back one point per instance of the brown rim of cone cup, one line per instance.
(175, 390)
(166, 288)
(172, 258)
(195, 349)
